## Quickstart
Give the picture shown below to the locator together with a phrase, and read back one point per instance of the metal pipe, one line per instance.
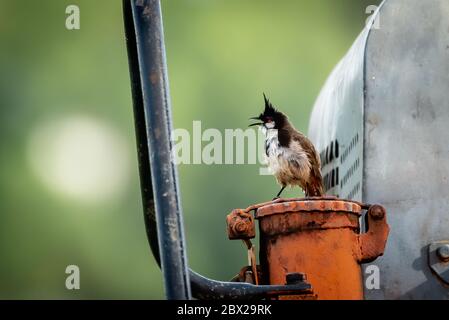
(207, 289)
(154, 91)
(146, 185)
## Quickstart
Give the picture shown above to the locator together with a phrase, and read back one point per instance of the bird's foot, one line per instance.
(275, 198)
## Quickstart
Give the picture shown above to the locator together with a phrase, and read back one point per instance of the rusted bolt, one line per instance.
(240, 227)
(443, 253)
(295, 277)
(377, 212)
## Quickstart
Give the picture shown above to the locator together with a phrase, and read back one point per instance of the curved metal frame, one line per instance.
(158, 174)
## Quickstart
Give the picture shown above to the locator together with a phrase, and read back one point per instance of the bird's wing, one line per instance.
(315, 186)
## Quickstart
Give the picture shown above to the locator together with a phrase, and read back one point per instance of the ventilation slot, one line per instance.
(350, 173)
(355, 190)
(348, 150)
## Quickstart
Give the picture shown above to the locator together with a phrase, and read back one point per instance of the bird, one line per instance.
(291, 156)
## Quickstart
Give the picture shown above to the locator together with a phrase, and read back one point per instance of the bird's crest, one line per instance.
(269, 109)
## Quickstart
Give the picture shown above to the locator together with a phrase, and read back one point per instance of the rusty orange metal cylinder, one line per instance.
(321, 239)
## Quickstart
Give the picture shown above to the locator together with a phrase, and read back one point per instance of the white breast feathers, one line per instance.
(291, 165)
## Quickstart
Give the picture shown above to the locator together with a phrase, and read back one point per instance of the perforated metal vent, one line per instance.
(342, 170)
(336, 125)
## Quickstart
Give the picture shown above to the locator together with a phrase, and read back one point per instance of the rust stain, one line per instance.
(372, 243)
(240, 225)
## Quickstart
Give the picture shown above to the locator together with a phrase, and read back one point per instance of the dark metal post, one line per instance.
(146, 186)
(162, 213)
(154, 89)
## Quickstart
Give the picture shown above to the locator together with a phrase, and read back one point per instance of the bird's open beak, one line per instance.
(255, 124)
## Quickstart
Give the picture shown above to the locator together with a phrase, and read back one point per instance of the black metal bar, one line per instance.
(202, 287)
(154, 89)
(207, 289)
(146, 185)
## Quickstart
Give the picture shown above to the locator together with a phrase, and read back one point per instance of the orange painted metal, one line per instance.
(321, 238)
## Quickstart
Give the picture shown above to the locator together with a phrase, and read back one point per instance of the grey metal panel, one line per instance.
(403, 117)
(406, 156)
(336, 123)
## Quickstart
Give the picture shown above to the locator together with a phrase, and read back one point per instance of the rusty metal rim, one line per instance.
(308, 205)
(277, 234)
(288, 222)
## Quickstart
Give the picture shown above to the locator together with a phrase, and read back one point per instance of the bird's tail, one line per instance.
(314, 187)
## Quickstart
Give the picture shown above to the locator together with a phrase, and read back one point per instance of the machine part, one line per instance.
(246, 274)
(240, 225)
(311, 214)
(291, 279)
(146, 185)
(295, 277)
(372, 243)
(143, 24)
(321, 239)
(252, 260)
(439, 260)
(207, 289)
(406, 81)
(338, 132)
(443, 253)
(387, 105)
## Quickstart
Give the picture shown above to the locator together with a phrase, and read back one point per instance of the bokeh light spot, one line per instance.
(80, 157)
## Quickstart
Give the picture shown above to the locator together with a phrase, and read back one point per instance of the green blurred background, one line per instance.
(69, 188)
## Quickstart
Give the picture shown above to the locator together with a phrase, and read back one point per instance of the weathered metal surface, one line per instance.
(146, 185)
(310, 205)
(207, 289)
(252, 261)
(284, 222)
(152, 110)
(406, 163)
(240, 225)
(246, 274)
(372, 243)
(443, 252)
(321, 239)
(336, 124)
(439, 260)
(393, 84)
(293, 278)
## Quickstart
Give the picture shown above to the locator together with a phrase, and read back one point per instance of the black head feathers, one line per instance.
(270, 114)
(269, 109)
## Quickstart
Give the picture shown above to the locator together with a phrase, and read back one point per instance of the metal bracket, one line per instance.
(439, 259)
(371, 244)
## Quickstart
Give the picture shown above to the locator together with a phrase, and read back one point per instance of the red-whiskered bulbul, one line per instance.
(291, 156)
